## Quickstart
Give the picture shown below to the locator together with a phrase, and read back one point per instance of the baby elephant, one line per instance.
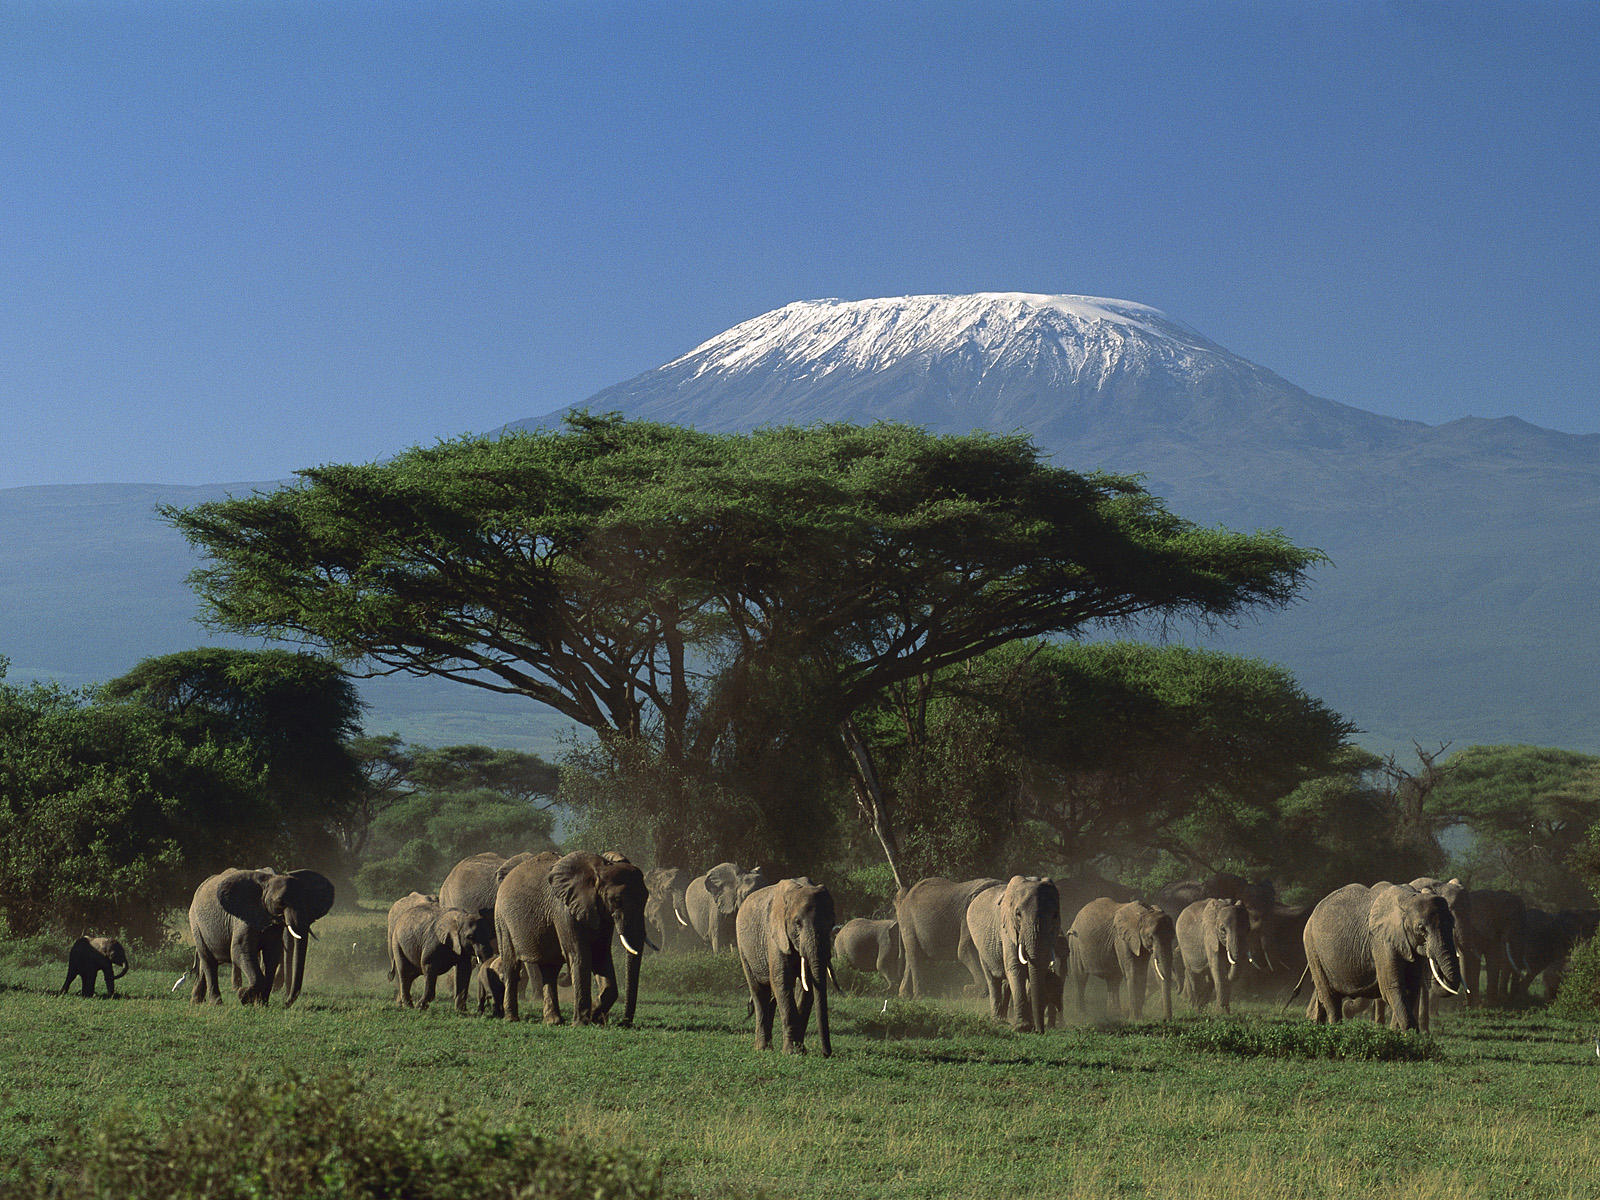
(430, 941)
(93, 956)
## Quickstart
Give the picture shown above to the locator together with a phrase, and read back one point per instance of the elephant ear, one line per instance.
(1387, 923)
(574, 882)
(313, 893)
(239, 893)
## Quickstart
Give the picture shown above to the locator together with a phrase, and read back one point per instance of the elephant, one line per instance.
(1380, 942)
(427, 939)
(1014, 931)
(92, 956)
(257, 920)
(712, 900)
(473, 881)
(1119, 942)
(784, 934)
(1212, 935)
(665, 911)
(869, 945)
(932, 914)
(555, 909)
(1543, 945)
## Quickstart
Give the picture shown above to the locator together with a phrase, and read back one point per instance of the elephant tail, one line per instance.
(1295, 990)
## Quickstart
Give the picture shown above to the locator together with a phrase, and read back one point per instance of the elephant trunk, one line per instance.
(294, 958)
(125, 967)
(1162, 957)
(630, 988)
(1444, 963)
(815, 961)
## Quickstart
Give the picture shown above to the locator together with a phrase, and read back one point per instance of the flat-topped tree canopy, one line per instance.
(608, 567)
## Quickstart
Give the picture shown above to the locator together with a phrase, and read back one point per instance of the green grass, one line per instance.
(928, 1100)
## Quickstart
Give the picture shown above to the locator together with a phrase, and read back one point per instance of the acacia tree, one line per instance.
(1070, 753)
(611, 568)
(1530, 810)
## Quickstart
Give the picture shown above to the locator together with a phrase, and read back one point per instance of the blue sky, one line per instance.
(243, 238)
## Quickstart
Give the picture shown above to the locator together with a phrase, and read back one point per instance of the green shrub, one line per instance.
(1579, 995)
(1358, 1040)
(304, 1137)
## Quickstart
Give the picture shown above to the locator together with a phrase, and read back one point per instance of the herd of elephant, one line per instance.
(554, 918)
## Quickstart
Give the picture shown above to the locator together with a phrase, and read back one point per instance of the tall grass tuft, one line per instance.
(305, 1137)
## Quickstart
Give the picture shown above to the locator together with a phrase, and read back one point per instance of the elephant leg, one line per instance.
(967, 954)
(605, 970)
(549, 973)
(1219, 981)
(430, 987)
(463, 983)
(910, 980)
(111, 985)
(511, 975)
(1391, 993)
(803, 1017)
(1021, 1014)
(782, 987)
(87, 987)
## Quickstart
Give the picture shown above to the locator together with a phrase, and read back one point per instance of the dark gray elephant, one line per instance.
(785, 937)
(566, 909)
(1380, 943)
(932, 914)
(1014, 931)
(871, 945)
(1212, 935)
(429, 940)
(665, 912)
(93, 956)
(256, 920)
(1546, 940)
(1118, 943)
(712, 900)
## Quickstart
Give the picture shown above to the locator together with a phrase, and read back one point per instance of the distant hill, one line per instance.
(1461, 598)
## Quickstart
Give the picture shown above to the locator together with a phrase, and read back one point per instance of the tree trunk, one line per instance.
(869, 795)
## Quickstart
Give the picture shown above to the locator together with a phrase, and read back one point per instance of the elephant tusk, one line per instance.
(1157, 964)
(1232, 962)
(1022, 959)
(626, 944)
(297, 936)
(805, 984)
(651, 944)
(1439, 979)
(179, 984)
(1510, 958)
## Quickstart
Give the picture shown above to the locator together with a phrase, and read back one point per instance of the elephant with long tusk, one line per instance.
(257, 921)
(553, 910)
(1382, 942)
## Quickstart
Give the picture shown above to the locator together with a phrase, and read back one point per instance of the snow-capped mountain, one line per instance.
(1057, 366)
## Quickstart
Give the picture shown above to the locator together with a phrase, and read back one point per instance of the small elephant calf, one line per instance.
(94, 956)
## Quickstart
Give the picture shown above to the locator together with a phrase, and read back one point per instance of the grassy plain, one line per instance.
(928, 1101)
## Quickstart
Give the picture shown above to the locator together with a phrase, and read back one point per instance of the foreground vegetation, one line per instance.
(926, 1100)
